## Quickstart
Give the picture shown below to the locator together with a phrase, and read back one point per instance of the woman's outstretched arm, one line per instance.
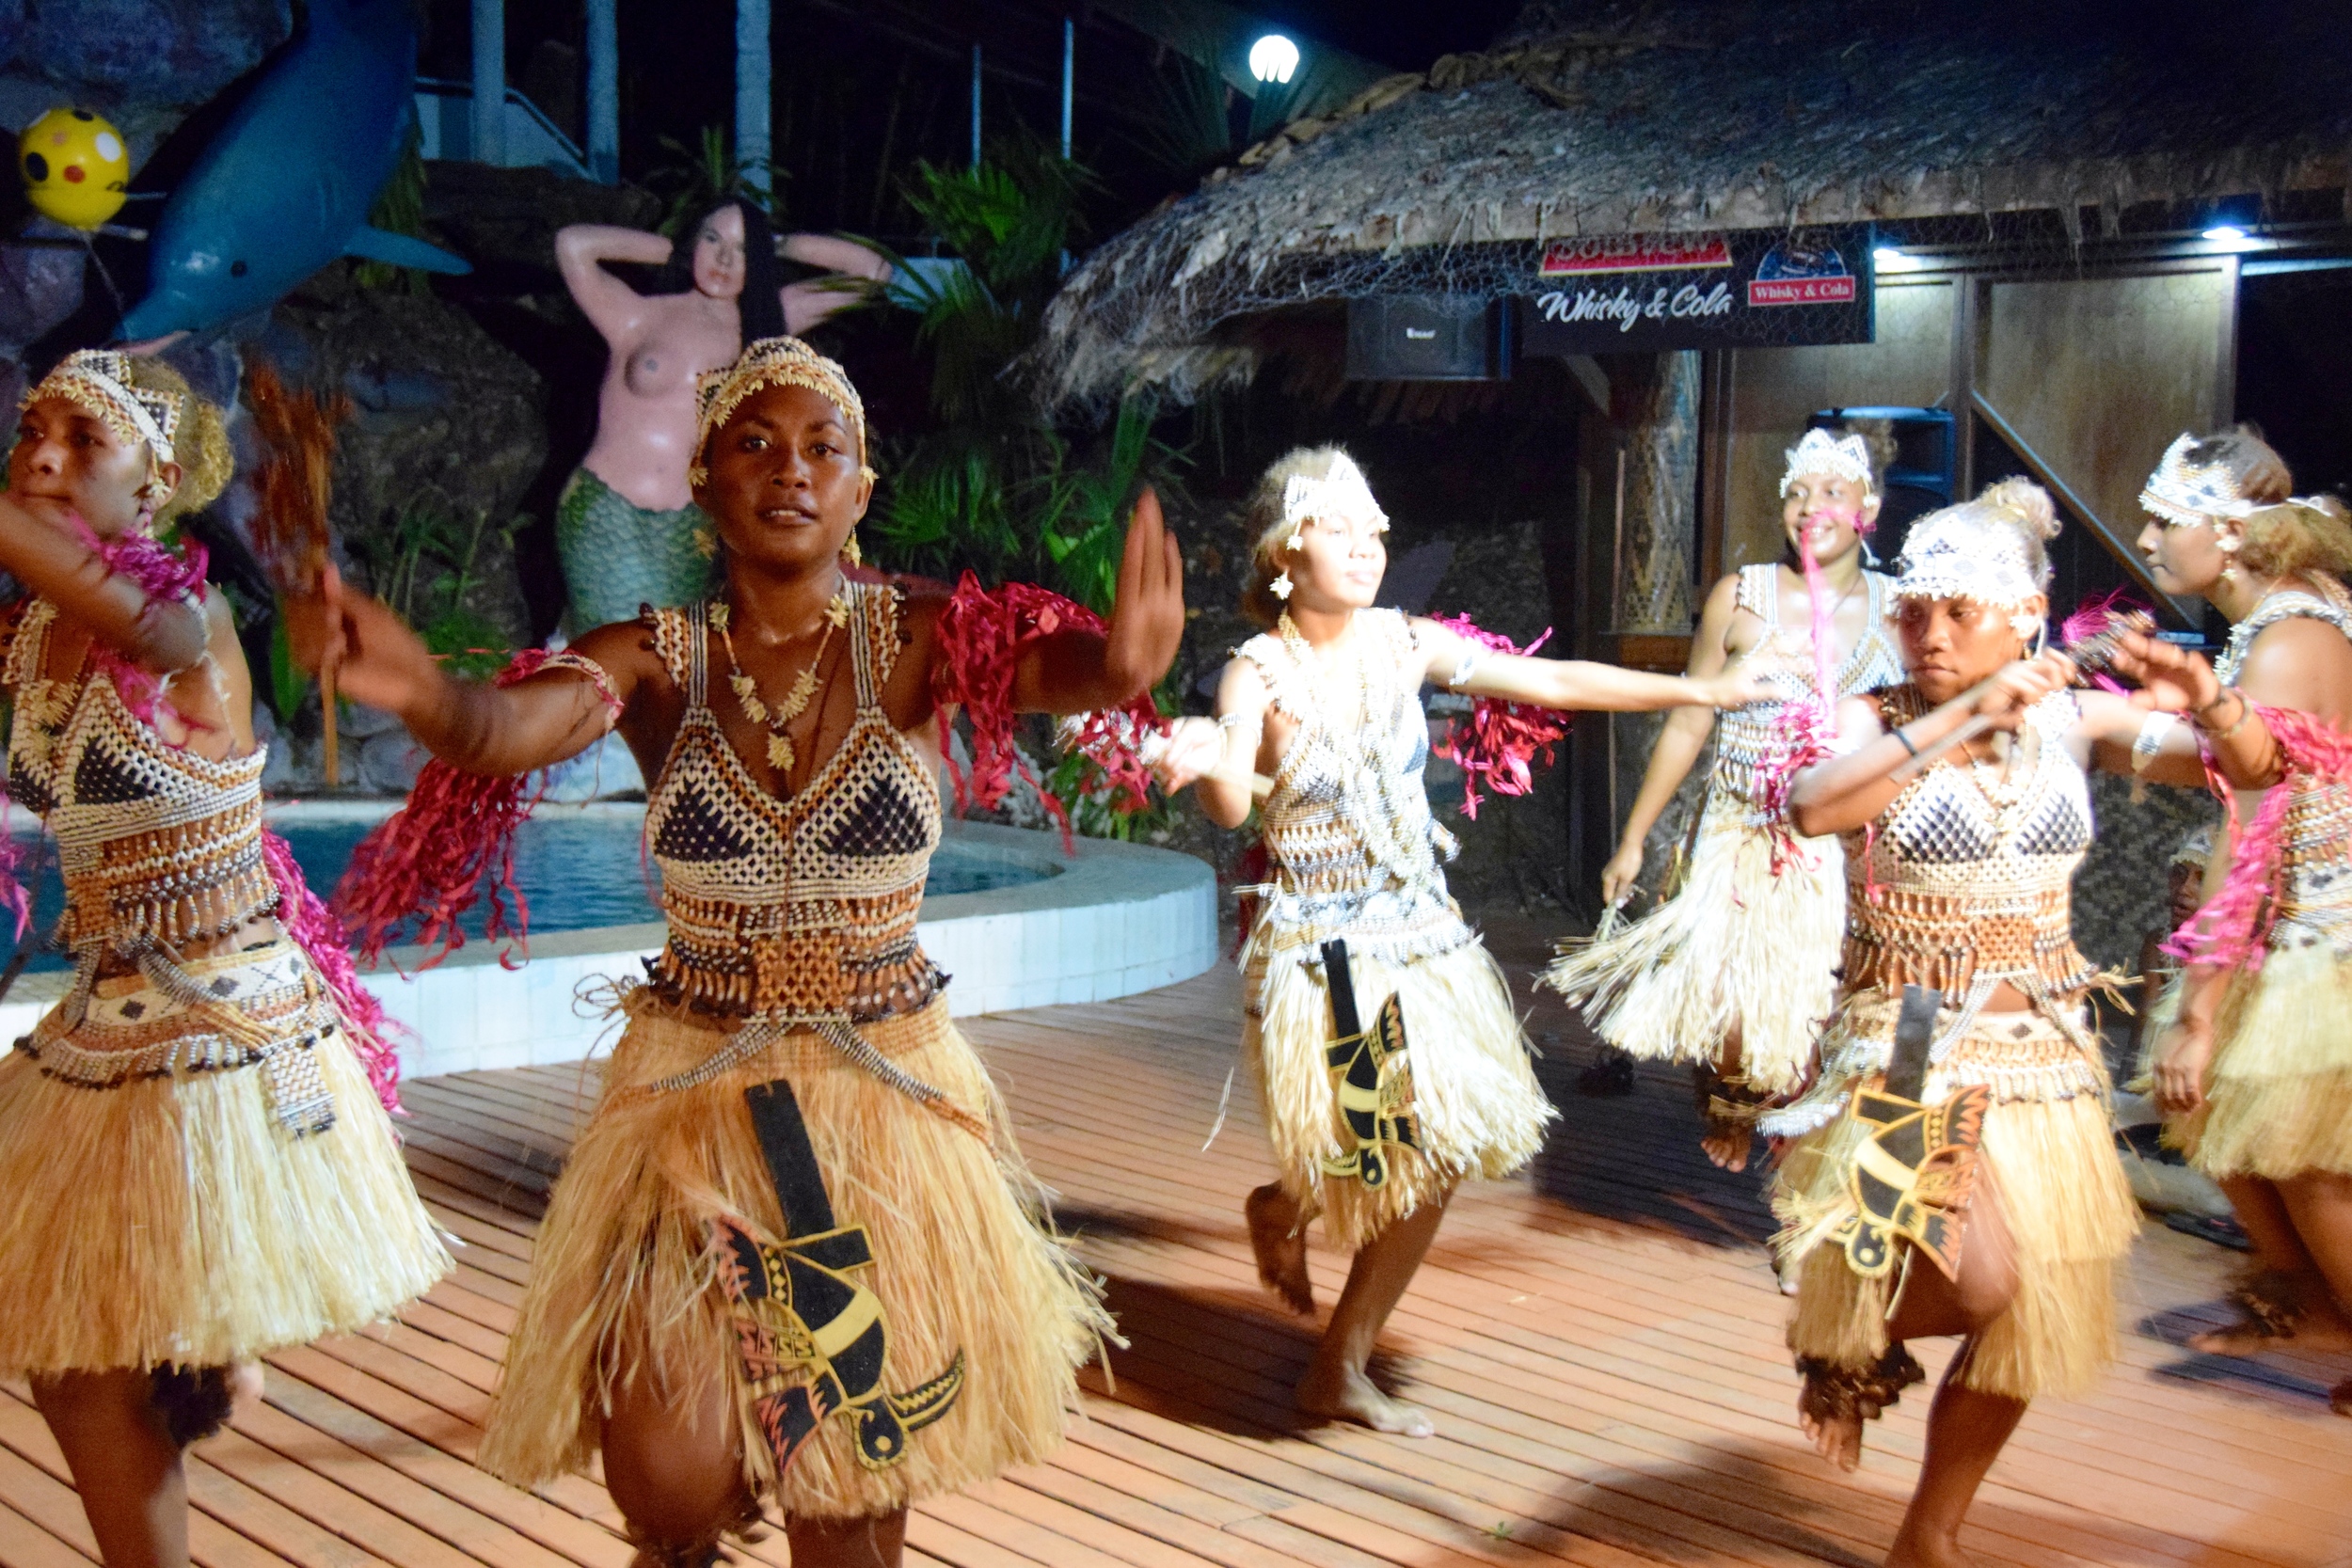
(160, 636)
(1572, 682)
(472, 725)
(1077, 671)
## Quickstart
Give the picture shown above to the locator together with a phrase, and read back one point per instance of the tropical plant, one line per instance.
(399, 209)
(425, 567)
(694, 180)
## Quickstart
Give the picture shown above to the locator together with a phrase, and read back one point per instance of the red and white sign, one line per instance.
(1584, 257)
(1801, 290)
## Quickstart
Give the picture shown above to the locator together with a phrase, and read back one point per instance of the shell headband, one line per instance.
(2183, 492)
(1339, 496)
(772, 362)
(1820, 453)
(99, 380)
(1968, 553)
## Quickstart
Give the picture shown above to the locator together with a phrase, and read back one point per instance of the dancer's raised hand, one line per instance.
(1147, 621)
(375, 658)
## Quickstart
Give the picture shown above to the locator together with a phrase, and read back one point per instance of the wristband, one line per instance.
(2149, 740)
(1898, 733)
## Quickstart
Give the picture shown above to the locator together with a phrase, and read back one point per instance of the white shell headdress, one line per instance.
(100, 380)
(1820, 453)
(1973, 551)
(2183, 492)
(1340, 496)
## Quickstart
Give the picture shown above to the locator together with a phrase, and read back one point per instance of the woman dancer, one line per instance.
(1328, 702)
(626, 526)
(2257, 1064)
(1735, 972)
(793, 1252)
(194, 1169)
(1959, 879)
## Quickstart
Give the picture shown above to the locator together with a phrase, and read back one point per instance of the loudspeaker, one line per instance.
(1428, 338)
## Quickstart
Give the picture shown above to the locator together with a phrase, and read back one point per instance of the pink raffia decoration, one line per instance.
(2095, 616)
(165, 577)
(981, 635)
(1500, 741)
(2232, 928)
(436, 855)
(313, 924)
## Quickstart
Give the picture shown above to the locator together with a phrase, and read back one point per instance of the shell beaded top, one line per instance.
(803, 907)
(2314, 897)
(1745, 736)
(157, 845)
(1967, 876)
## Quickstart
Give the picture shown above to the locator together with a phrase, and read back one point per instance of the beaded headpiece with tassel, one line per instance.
(99, 380)
(2183, 492)
(773, 362)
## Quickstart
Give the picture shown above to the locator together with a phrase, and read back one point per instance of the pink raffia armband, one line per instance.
(982, 633)
(2232, 928)
(431, 859)
(1499, 740)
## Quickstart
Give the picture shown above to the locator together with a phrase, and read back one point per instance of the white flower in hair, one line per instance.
(1340, 496)
(1820, 453)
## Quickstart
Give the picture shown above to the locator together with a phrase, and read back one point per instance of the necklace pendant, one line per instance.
(780, 753)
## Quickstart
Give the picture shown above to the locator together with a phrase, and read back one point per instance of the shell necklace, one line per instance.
(780, 715)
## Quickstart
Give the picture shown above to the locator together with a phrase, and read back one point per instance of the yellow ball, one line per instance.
(76, 167)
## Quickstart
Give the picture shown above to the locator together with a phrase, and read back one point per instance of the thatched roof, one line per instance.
(1658, 118)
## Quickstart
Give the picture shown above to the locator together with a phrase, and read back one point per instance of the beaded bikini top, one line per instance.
(158, 845)
(1348, 812)
(2314, 898)
(1965, 879)
(1745, 736)
(1356, 852)
(800, 909)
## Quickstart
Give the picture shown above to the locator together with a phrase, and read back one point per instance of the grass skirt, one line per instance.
(1737, 950)
(2048, 1152)
(1473, 1086)
(2278, 1092)
(172, 1216)
(961, 1261)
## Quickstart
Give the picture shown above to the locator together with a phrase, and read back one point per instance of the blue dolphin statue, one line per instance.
(285, 186)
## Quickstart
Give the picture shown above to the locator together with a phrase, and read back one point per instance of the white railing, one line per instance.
(445, 118)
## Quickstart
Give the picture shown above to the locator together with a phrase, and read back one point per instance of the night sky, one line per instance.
(852, 79)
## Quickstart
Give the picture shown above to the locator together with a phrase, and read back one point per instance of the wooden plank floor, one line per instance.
(1598, 1340)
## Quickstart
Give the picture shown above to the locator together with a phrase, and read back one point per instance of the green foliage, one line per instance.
(289, 683)
(1083, 520)
(425, 568)
(399, 209)
(1188, 131)
(695, 179)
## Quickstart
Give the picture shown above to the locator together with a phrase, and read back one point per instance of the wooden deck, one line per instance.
(1600, 1341)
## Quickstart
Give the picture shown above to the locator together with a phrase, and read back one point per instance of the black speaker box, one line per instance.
(1428, 338)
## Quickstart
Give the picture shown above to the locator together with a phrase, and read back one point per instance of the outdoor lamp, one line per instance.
(1272, 58)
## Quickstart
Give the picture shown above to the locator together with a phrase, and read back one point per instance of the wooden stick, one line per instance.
(1925, 758)
(334, 739)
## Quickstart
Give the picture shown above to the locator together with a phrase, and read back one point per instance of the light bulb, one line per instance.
(1272, 58)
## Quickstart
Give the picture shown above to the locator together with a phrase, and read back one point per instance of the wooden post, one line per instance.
(753, 142)
(1653, 586)
(489, 82)
(604, 91)
(334, 758)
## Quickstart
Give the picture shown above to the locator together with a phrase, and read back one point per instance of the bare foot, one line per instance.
(245, 1386)
(2322, 1328)
(1924, 1550)
(1838, 1439)
(1348, 1395)
(1728, 1147)
(1280, 1248)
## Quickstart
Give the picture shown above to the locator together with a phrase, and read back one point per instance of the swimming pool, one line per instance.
(579, 867)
